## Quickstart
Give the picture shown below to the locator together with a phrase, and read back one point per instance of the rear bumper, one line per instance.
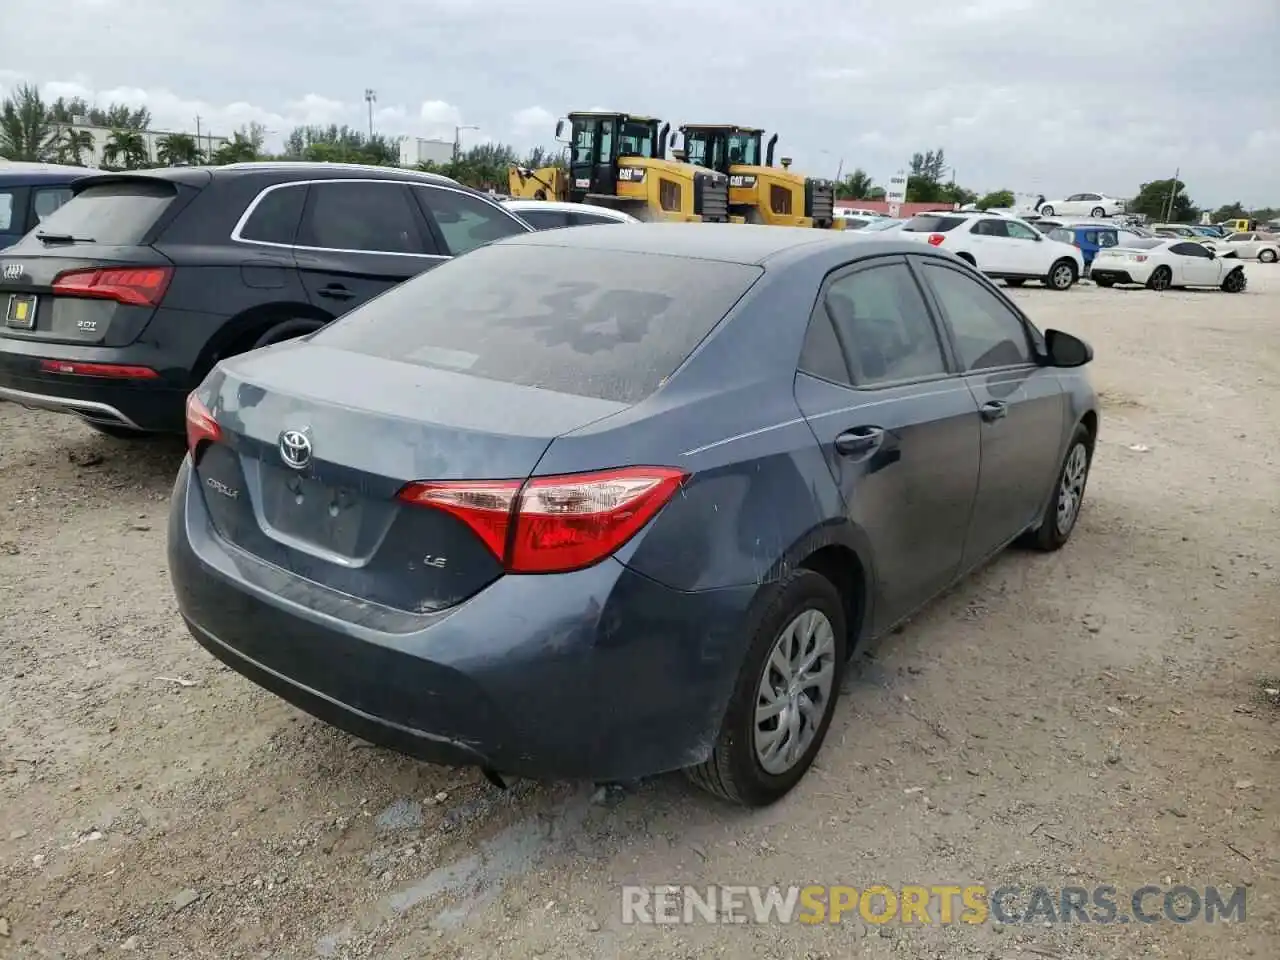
(600, 674)
(1115, 276)
(146, 405)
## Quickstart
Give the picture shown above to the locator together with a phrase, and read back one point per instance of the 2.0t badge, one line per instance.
(295, 449)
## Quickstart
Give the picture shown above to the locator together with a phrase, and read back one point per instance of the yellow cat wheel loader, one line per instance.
(543, 183)
(759, 192)
(620, 160)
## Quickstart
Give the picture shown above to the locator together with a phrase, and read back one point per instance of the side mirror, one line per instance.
(560, 130)
(1064, 350)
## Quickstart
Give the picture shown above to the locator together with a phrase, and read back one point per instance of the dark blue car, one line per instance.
(602, 503)
(29, 192)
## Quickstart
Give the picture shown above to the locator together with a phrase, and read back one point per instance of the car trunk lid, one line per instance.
(317, 443)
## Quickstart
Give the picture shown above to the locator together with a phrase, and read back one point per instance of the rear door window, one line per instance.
(116, 214)
(465, 222)
(987, 333)
(544, 219)
(276, 215)
(362, 216)
(594, 323)
(587, 219)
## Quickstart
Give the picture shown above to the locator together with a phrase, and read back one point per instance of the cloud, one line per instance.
(1026, 94)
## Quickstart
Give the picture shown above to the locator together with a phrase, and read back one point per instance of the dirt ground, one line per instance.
(1097, 716)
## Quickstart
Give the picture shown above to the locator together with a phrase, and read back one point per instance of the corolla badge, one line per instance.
(295, 449)
(12, 271)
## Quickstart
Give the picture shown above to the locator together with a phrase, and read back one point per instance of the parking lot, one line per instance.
(1094, 716)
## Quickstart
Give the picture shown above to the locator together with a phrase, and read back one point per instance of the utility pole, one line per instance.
(457, 139)
(370, 97)
(1173, 192)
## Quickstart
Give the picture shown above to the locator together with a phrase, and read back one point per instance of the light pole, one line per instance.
(457, 138)
(370, 97)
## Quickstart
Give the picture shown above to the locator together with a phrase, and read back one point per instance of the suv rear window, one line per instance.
(927, 224)
(118, 214)
(594, 323)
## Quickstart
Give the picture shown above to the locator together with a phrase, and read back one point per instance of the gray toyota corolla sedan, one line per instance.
(602, 503)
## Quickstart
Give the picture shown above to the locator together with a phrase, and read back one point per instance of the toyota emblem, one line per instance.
(295, 449)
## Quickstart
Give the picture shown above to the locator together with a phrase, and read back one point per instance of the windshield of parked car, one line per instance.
(595, 323)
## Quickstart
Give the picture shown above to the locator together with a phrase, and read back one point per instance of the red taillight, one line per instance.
(554, 524)
(135, 286)
(116, 371)
(201, 427)
(936, 238)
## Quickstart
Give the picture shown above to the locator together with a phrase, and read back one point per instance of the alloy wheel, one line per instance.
(1071, 490)
(1160, 279)
(1063, 277)
(795, 691)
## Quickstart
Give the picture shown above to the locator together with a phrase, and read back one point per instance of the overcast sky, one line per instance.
(1052, 96)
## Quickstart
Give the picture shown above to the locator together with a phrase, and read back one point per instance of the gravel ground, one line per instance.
(1097, 716)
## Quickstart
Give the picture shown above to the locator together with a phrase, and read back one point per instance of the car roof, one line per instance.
(17, 173)
(523, 203)
(199, 176)
(727, 242)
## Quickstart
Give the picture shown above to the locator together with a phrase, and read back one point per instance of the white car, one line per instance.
(1162, 263)
(1249, 246)
(1000, 246)
(553, 214)
(1082, 205)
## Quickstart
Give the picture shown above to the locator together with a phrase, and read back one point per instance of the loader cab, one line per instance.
(722, 147)
(596, 142)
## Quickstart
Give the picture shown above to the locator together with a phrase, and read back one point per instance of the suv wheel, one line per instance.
(1061, 275)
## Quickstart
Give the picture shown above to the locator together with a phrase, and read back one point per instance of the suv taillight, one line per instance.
(554, 524)
(936, 238)
(134, 286)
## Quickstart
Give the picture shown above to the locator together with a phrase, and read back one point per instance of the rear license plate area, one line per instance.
(21, 311)
(305, 509)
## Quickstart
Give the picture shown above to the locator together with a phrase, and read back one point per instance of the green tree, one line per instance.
(340, 144)
(997, 198)
(177, 148)
(854, 186)
(121, 117)
(73, 146)
(876, 193)
(930, 165)
(126, 149)
(239, 149)
(1153, 201)
(66, 111)
(1232, 211)
(26, 130)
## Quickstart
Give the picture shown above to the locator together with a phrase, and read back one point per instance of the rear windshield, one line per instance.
(927, 224)
(118, 214)
(1144, 244)
(594, 323)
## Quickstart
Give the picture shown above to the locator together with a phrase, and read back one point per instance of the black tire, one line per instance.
(1014, 283)
(117, 432)
(287, 330)
(1266, 256)
(1235, 281)
(1061, 276)
(1097, 213)
(733, 772)
(1161, 279)
(1108, 282)
(1046, 210)
(1050, 536)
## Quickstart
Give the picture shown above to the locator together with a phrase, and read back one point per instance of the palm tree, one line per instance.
(176, 149)
(239, 149)
(72, 145)
(27, 131)
(125, 149)
(855, 186)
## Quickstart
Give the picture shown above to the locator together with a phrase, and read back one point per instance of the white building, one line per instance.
(207, 143)
(416, 150)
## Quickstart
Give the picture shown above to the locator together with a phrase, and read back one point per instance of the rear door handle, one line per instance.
(994, 410)
(336, 291)
(859, 440)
